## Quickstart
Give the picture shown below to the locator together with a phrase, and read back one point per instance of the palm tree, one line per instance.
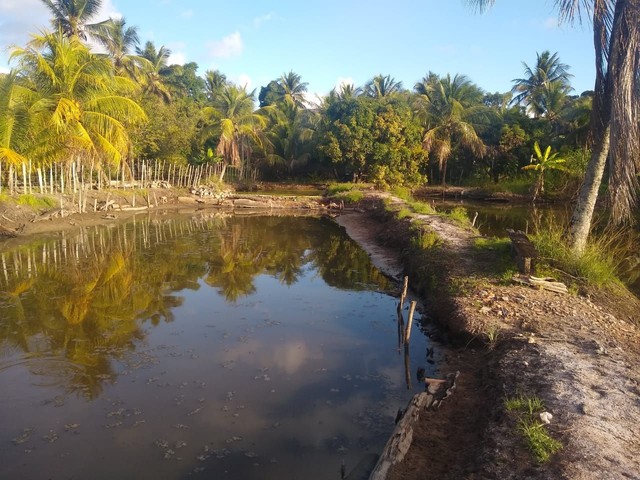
(233, 122)
(548, 79)
(294, 89)
(615, 131)
(382, 86)
(289, 134)
(79, 110)
(542, 163)
(348, 90)
(155, 68)
(120, 41)
(446, 106)
(14, 119)
(214, 81)
(72, 16)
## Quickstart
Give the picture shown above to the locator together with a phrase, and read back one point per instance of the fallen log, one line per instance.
(545, 283)
(7, 232)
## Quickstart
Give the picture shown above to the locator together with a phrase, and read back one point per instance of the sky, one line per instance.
(333, 41)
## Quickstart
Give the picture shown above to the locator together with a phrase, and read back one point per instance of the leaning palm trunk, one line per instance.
(614, 122)
(586, 204)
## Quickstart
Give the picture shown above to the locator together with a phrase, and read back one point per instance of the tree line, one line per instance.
(64, 103)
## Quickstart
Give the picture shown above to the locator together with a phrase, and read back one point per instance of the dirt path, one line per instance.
(578, 356)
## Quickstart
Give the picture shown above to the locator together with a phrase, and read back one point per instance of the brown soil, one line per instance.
(579, 354)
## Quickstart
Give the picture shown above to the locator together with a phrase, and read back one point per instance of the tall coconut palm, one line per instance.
(447, 106)
(73, 16)
(348, 90)
(155, 69)
(549, 78)
(382, 86)
(79, 111)
(615, 131)
(120, 42)
(233, 122)
(294, 89)
(289, 135)
(214, 81)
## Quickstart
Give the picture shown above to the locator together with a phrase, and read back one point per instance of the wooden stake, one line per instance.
(403, 295)
(407, 333)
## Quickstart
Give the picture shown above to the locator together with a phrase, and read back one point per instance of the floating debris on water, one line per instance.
(50, 437)
(23, 438)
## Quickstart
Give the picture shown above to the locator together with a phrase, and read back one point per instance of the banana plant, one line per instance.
(541, 163)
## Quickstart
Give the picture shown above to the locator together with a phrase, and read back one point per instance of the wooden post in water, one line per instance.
(407, 333)
(403, 295)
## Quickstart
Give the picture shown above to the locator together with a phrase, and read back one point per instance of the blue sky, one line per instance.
(330, 41)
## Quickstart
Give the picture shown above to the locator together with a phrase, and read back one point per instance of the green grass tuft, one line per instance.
(535, 434)
(403, 192)
(459, 215)
(424, 239)
(34, 201)
(541, 444)
(524, 404)
(350, 196)
(422, 208)
(403, 213)
(599, 265)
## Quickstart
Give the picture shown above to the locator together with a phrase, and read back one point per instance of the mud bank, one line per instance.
(577, 355)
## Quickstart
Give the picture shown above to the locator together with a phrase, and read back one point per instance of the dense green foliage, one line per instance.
(133, 105)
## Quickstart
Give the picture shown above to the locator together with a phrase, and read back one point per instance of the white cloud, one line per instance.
(187, 14)
(551, 23)
(259, 21)
(229, 46)
(107, 11)
(342, 81)
(19, 19)
(177, 58)
(4, 69)
(244, 80)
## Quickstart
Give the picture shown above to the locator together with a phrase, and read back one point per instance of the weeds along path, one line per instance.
(577, 357)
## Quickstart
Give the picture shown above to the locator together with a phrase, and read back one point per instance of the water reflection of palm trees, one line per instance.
(72, 305)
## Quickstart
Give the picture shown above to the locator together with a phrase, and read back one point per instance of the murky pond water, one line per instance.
(205, 347)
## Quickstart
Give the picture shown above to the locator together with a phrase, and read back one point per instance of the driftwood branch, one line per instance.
(544, 283)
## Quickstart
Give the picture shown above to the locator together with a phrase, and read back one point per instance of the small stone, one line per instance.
(545, 417)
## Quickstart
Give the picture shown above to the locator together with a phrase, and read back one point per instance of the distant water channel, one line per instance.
(197, 347)
(495, 218)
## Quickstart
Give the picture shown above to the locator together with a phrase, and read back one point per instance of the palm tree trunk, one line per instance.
(585, 206)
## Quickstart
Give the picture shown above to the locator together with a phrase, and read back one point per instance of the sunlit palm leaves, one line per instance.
(80, 110)
(447, 106)
(14, 119)
(155, 69)
(73, 16)
(233, 122)
(544, 86)
(382, 86)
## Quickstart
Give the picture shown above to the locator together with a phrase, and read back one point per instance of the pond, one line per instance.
(209, 346)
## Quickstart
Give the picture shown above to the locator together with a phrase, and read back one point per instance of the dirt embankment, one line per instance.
(577, 354)
(102, 207)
